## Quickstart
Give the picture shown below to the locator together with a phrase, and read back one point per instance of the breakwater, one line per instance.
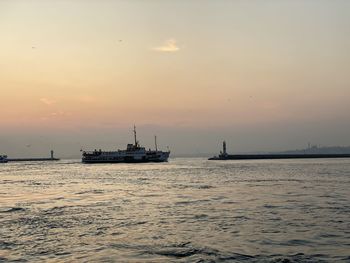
(43, 159)
(276, 156)
(31, 159)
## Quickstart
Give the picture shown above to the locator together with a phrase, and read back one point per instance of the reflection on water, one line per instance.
(187, 210)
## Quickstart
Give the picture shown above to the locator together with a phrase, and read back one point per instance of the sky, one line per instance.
(263, 75)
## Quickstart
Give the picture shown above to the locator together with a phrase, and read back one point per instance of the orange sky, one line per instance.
(195, 64)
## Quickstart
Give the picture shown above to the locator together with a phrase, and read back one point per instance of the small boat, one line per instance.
(134, 153)
(3, 158)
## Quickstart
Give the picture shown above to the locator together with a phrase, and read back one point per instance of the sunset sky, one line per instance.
(264, 75)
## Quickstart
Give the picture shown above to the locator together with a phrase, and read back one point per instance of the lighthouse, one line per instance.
(224, 153)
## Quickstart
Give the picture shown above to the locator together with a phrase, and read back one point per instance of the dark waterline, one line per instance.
(187, 210)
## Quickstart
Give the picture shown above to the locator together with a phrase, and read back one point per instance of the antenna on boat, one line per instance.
(135, 135)
(155, 142)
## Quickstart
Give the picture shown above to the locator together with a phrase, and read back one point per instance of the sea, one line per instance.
(185, 210)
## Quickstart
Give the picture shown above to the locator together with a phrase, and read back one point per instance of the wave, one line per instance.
(12, 209)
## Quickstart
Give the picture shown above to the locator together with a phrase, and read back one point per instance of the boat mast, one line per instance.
(135, 135)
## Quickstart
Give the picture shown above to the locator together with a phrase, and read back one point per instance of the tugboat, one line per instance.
(3, 158)
(134, 153)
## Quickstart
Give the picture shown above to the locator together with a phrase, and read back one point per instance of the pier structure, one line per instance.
(44, 159)
(225, 156)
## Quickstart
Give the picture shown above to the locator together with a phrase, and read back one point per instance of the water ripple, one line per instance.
(188, 210)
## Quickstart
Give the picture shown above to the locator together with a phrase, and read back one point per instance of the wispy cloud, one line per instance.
(59, 113)
(47, 101)
(56, 115)
(168, 46)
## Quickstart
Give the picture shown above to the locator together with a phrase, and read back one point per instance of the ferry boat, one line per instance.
(3, 158)
(134, 153)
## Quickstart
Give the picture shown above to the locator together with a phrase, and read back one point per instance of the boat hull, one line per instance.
(124, 161)
(3, 159)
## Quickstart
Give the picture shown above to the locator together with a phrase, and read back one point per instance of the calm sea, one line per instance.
(187, 210)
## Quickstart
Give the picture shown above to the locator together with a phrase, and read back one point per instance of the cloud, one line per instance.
(56, 115)
(47, 101)
(169, 46)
